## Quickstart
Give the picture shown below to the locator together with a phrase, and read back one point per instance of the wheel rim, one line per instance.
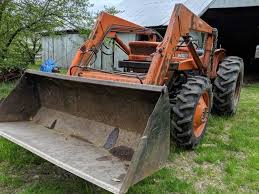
(201, 114)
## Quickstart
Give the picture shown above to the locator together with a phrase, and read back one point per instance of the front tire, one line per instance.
(190, 112)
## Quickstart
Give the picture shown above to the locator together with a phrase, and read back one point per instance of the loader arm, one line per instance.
(182, 22)
(106, 25)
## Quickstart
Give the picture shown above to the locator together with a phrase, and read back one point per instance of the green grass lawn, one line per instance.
(227, 161)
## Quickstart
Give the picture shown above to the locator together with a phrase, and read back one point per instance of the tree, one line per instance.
(111, 10)
(86, 30)
(22, 21)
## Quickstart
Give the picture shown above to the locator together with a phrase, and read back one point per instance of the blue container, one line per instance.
(48, 66)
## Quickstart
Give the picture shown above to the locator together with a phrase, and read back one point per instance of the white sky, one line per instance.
(99, 4)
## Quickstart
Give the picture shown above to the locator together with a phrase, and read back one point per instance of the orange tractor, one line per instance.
(113, 128)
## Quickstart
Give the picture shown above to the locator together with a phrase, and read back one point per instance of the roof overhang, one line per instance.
(234, 3)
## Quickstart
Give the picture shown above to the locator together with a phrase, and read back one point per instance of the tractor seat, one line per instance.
(143, 47)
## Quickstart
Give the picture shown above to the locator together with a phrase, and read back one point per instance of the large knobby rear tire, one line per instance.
(227, 86)
(190, 112)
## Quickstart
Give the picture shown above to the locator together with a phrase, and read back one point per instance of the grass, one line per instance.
(227, 161)
(5, 88)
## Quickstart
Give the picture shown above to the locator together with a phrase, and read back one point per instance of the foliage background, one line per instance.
(22, 23)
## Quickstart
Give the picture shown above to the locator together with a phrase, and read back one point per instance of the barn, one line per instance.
(236, 20)
(238, 25)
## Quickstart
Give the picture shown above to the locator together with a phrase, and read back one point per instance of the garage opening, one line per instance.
(238, 34)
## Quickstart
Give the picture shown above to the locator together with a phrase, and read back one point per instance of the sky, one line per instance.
(99, 4)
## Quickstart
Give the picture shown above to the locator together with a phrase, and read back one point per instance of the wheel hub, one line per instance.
(201, 114)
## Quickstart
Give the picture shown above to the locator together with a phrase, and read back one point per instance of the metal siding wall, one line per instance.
(47, 48)
(118, 54)
(61, 48)
(44, 48)
(73, 42)
(234, 3)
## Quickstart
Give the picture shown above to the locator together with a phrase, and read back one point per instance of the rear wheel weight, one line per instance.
(190, 112)
(227, 86)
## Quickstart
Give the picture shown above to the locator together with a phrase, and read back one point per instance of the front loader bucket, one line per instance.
(108, 133)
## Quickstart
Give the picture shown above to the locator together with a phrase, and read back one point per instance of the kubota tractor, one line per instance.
(113, 128)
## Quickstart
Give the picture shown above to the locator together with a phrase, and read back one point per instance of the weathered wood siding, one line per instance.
(62, 49)
(105, 62)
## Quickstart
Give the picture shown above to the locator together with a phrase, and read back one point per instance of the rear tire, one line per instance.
(227, 86)
(190, 112)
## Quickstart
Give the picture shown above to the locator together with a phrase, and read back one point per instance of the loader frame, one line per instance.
(182, 22)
